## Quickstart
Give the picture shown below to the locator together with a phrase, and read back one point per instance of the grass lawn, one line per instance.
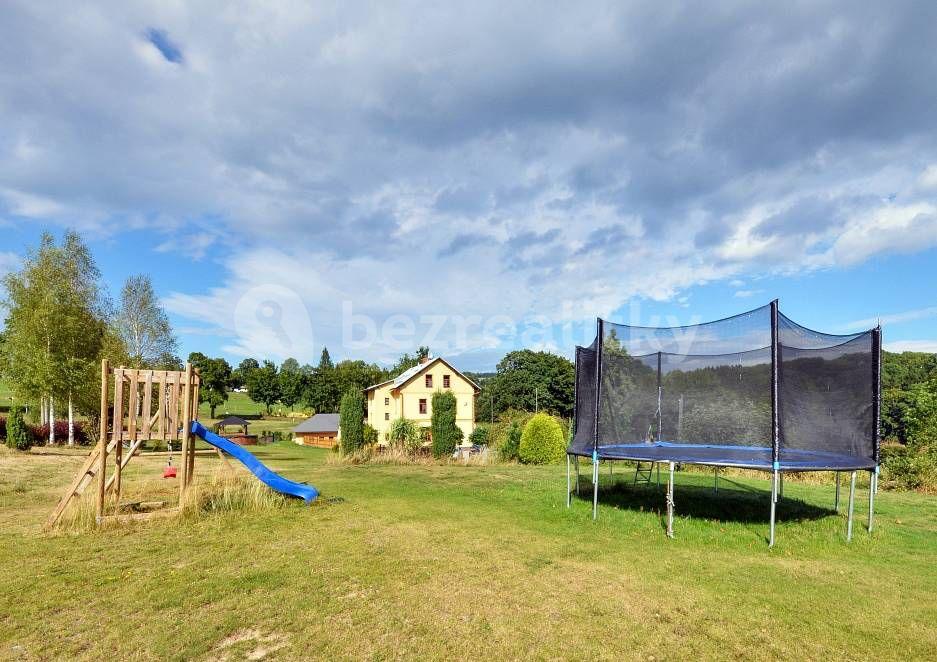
(466, 562)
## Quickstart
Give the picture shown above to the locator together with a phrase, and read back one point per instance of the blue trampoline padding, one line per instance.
(742, 457)
(263, 473)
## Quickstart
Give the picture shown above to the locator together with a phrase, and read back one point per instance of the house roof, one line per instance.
(319, 423)
(411, 373)
(232, 420)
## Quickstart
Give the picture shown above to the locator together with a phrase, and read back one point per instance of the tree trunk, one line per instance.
(71, 421)
(42, 411)
(51, 422)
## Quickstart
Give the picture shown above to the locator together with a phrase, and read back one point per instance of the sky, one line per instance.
(479, 178)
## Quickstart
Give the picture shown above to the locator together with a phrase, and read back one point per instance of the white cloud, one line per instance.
(912, 346)
(473, 162)
(894, 318)
(928, 178)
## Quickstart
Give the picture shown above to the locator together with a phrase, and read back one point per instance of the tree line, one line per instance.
(60, 323)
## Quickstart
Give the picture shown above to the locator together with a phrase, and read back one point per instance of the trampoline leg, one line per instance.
(576, 461)
(780, 486)
(716, 481)
(774, 500)
(595, 488)
(670, 504)
(657, 464)
(568, 482)
(873, 478)
(836, 503)
(852, 500)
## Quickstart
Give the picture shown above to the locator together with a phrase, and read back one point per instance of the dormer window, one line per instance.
(429, 381)
(445, 381)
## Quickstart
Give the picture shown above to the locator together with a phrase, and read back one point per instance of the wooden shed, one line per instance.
(320, 430)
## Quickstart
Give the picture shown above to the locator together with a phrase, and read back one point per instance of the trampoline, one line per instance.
(753, 391)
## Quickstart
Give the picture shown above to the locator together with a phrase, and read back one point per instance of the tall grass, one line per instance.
(226, 493)
(397, 456)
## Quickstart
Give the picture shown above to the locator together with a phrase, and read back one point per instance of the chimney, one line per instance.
(425, 359)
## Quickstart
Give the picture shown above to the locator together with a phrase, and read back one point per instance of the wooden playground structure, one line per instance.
(136, 406)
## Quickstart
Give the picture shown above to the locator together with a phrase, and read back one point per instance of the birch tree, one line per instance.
(56, 314)
(143, 325)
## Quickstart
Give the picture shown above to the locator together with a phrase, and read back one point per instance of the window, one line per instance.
(386, 401)
(422, 405)
(445, 381)
(429, 381)
(386, 415)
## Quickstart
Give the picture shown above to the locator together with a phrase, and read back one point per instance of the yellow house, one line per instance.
(410, 395)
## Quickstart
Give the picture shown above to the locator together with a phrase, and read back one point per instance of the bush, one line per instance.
(498, 433)
(446, 434)
(404, 434)
(909, 467)
(19, 435)
(479, 436)
(41, 433)
(542, 441)
(351, 421)
(510, 449)
(370, 435)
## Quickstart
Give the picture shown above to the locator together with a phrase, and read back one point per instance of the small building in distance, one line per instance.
(320, 430)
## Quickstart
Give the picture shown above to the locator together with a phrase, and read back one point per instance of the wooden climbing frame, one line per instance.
(136, 406)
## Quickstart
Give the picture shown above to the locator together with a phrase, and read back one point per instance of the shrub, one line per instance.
(909, 467)
(351, 421)
(404, 434)
(479, 436)
(41, 433)
(510, 449)
(498, 432)
(370, 435)
(542, 441)
(19, 435)
(446, 434)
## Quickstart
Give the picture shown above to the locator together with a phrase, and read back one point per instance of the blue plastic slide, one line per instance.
(273, 480)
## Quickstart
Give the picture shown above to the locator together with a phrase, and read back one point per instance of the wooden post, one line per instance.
(102, 444)
(186, 424)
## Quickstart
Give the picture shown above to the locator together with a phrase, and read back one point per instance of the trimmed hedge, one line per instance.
(19, 436)
(351, 421)
(446, 434)
(542, 441)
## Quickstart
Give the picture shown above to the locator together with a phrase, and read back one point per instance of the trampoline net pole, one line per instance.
(568, 482)
(836, 502)
(595, 486)
(670, 503)
(852, 500)
(773, 508)
(872, 479)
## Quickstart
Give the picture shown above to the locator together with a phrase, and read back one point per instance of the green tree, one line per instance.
(143, 325)
(351, 421)
(510, 449)
(55, 326)
(357, 375)
(215, 374)
(19, 436)
(241, 374)
(322, 391)
(542, 441)
(263, 385)
(446, 434)
(530, 381)
(292, 382)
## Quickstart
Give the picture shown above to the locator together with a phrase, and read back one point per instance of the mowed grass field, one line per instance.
(465, 562)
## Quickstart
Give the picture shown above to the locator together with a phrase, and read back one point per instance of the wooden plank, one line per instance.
(102, 441)
(133, 394)
(186, 442)
(140, 517)
(123, 462)
(147, 404)
(161, 411)
(117, 433)
(174, 409)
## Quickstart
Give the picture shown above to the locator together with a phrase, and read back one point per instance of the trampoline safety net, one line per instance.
(756, 390)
